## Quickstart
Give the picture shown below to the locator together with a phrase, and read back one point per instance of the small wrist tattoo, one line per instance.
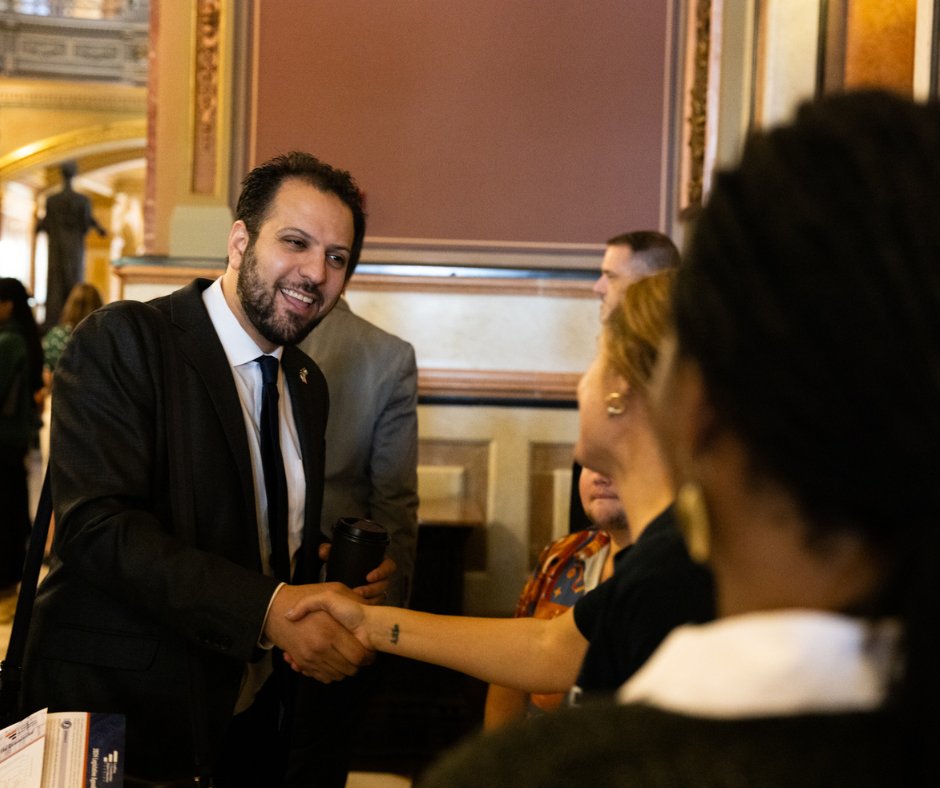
(394, 635)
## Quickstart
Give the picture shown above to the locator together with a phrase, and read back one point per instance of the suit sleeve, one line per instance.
(394, 472)
(110, 477)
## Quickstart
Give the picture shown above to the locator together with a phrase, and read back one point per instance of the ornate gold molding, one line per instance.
(206, 96)
(698, 97)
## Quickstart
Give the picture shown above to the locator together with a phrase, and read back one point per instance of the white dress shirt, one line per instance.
(242, 351)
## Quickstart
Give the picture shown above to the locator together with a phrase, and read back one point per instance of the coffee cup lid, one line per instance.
(358, 528)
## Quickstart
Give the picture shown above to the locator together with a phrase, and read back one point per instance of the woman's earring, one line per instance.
(692, 513)
(614, 403)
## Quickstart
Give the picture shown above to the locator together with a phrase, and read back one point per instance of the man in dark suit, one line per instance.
(171, 619)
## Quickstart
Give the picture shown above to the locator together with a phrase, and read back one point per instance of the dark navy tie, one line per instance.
(275, 480)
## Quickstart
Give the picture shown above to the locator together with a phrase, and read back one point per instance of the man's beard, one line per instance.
(259, 304)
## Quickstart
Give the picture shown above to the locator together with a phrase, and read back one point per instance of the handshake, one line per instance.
(321, 627)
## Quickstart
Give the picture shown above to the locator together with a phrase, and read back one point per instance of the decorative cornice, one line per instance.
(496, 254)
(498, 385)
(476, 285)
(55, 97)
(446, 281)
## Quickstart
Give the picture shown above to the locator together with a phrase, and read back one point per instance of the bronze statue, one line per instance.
(68, 218)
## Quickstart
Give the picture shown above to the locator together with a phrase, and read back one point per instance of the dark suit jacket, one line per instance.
(133, 617)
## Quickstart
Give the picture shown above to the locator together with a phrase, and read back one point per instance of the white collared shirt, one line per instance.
(770, 664)
(242, 351)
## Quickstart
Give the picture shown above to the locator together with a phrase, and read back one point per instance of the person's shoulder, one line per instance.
(12, 337)
(637, 745)
(660, 540)
(657, 571)
(126, 322)
(57, 333)
(572, 543)
(344, 343)
(342, 318)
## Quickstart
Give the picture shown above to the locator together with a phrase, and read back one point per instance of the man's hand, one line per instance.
(318, 645)
(376, 592)
(336, 602)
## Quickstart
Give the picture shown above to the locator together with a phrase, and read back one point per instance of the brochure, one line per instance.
(63, 750)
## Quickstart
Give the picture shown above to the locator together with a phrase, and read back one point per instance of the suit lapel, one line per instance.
(202, 351)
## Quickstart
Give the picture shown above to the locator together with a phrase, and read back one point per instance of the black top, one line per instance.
(655, 588)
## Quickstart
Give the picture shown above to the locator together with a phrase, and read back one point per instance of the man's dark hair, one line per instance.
(655, 250)
(261, 185)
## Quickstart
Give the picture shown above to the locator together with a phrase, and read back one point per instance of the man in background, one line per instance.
(372, 433)
(371, 472)
(628, 257)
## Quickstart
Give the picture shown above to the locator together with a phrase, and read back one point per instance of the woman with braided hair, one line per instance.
(798, 405)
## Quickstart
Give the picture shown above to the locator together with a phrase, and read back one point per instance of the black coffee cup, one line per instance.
(358, 547)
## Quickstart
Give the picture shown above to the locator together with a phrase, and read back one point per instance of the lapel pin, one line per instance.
(303, 375)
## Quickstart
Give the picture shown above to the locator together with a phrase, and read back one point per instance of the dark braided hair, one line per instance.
(810, 299)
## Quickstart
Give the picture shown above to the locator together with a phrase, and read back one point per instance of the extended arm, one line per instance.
(503, 705)
(526, 653)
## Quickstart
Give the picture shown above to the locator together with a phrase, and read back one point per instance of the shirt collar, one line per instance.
(770, 663)
(239, 347)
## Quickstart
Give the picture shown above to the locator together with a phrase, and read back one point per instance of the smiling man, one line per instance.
(165, 606)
